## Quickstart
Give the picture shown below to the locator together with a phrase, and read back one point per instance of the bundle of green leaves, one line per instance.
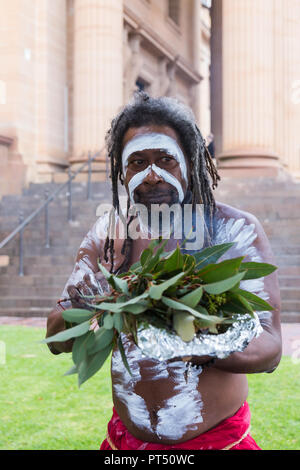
(183, 293)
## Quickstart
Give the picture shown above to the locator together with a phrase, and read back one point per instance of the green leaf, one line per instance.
(102, 339)
(237, 304)
(105, 273)
(135, 266)
(179, 306)
(256, 270)
(71, 371)
(256, 302)
(107, 306)
(146, 254)
(192, 298)
(223, 286)
(120, 284)
(211, 254)
(118, 322)
(135, 308)
(220, 271)
(77, 315)
(154, 259)
(156, 291)
(80, 345)
(123, 355)
(91, 364)
(183, 324)
(74, 332)
(175, 261)
(108, 322)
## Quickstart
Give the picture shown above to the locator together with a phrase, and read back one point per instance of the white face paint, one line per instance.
(154, 141)
(137, 179)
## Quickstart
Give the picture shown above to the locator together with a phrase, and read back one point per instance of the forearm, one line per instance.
(55, 324)
(263, 354)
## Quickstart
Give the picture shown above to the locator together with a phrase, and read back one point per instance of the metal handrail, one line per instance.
(23, 223)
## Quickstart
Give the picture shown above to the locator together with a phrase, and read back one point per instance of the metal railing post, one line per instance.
(21, 254)
(47, 242)
(89, 187)
(70, 195)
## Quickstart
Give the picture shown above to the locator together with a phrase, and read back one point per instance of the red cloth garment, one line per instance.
(231, 434)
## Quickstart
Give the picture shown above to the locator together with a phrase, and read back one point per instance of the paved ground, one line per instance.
(290, 331)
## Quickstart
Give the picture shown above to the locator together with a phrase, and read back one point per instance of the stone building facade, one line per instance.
(67, 66)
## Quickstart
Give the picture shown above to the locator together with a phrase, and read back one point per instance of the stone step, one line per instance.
(286, 249)
(287, 260)
(30, 291)
(46, 260)
(290, 306)
(40, 270)
(25, 312)
(28, 302)
(289, 271)
(57, 281)
(290, 293)
(290, 317)
(289, 281)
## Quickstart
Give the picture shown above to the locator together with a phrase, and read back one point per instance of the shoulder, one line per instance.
(227, 212)
(262, 242)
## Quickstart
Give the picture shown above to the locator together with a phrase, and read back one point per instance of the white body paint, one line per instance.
(177, 414)
(154, 141)
(185, 410)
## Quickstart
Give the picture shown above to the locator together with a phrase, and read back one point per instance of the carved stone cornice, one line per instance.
(161, 46)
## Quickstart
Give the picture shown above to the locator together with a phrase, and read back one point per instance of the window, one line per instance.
(174, 10)
(141, 84)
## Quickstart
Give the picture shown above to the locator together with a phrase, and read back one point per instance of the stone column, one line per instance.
(245, 143)
(98, 72)
(50, 86)
(287, 83)
(134, 64)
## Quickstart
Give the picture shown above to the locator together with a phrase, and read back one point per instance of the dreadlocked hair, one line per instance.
(165, 111)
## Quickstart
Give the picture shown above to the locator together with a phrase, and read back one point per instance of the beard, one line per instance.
(169, 197)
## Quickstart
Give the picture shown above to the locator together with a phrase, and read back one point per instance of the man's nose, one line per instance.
(152, 177)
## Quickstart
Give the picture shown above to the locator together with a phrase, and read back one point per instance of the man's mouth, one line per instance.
(156, 197)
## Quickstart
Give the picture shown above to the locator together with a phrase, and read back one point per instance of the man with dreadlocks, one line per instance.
(157, 152)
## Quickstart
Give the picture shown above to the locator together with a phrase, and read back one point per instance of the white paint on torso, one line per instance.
(177, 414)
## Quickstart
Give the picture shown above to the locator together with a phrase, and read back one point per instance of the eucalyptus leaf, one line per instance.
(91, 364)
(120, 284)
(256, 302)
(183, 324)
(157, 290)
(118, 321)
(74, 332)
(80, 345)
(123, 355)
(108, 321)
(175, 261)
(220, 271)
(192, 298)
(256, 270)
(211, 254)
(77, 315)
(71, 371)
(222, 286)
(179, 306)
(102, 339)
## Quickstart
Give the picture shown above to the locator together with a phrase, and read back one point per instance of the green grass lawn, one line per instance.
(40, 409)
